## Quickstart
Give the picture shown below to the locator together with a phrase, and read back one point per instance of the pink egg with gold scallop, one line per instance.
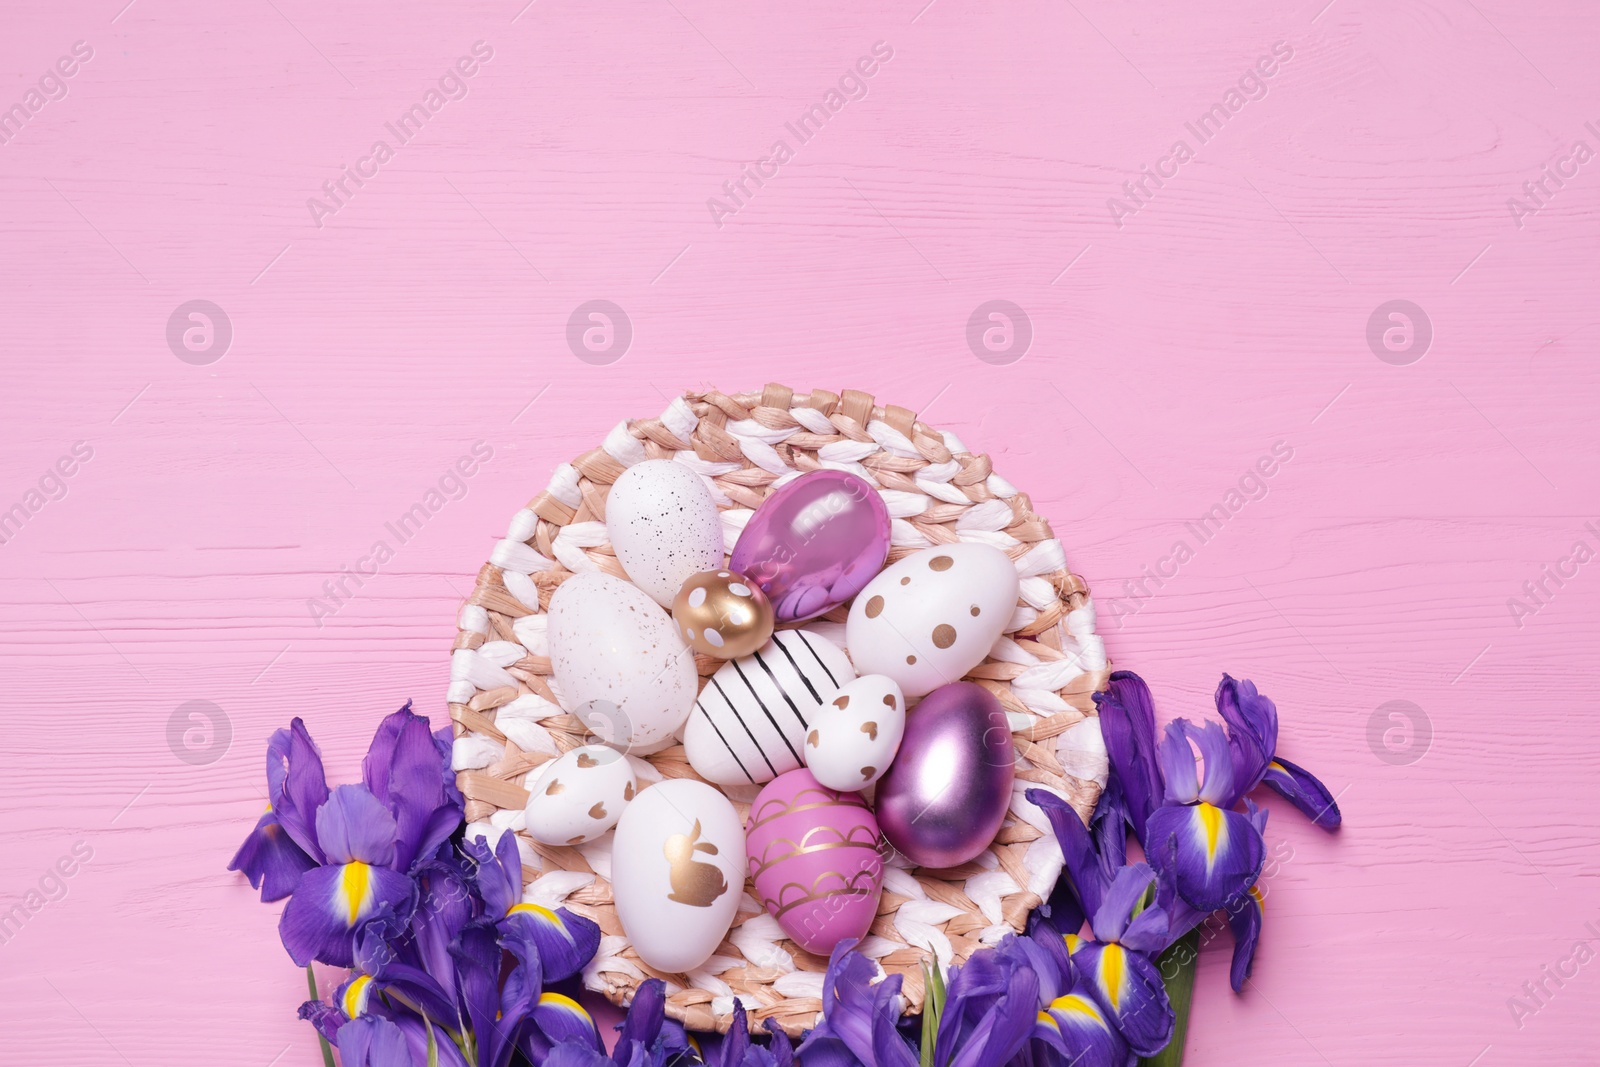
(814, 859)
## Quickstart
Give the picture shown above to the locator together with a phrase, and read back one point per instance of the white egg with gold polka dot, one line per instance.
(855, 735)
(578, 796)
(929, 619)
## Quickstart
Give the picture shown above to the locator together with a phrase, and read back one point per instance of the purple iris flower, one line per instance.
(646, 1036)
(1217, 852)
(1253, 721)
(989, 1011)
(356, 836)
(1130, 928)
(269, 857)
(349, 852)
(736, 1049)
(359, 1022)
(860, 1016)
(563, 940)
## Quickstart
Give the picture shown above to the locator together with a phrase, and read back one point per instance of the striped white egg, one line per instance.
(752, 717)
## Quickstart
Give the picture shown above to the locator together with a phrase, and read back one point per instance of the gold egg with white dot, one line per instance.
(722, 614)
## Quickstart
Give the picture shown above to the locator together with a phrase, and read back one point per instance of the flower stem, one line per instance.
(327, 1051)
(1177, 965)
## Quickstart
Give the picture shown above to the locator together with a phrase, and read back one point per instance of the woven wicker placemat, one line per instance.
(509, 720)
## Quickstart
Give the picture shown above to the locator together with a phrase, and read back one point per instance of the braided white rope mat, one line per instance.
(509, 717)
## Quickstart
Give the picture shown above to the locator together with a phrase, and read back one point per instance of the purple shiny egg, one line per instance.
(947, 791)
(814, 544)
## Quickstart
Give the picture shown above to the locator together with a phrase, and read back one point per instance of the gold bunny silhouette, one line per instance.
(694, 883)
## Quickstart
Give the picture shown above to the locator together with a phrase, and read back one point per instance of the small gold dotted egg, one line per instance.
(722, 614)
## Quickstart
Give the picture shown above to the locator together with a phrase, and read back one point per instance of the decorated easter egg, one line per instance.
(619, 663)
(751, 720)
(947, 791)
(814, 543)
(663, 526)
(855, 735)
(932, 617)
(677, 872)
(723, 614)
(578, 796)
(814, 859)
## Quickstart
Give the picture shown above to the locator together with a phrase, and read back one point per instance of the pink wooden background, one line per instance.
(1228, 313)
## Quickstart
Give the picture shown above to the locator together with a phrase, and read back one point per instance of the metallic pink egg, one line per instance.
(815, 543)
(814, 859)
(947, 791)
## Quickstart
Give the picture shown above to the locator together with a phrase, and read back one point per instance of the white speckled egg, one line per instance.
(855, 735)
(579, 796)
(663, 526)
(619, 662)
(751, 720)
(677, 873)
(932, 617)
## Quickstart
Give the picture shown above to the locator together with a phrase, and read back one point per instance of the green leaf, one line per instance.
(932, 1008)
(327, 1050)
(1177, 966)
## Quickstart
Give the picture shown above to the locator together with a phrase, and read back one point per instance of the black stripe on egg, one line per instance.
(797, 669)
(712, 719)
(748, 684)
(787, 699)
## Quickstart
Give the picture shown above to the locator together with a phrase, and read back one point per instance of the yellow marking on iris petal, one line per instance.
(355, 885)
(1074, 942)
(355, 995)
(1261, 900)
(1113, 973)
(1075, 1004)
(1212, 829)
(544, 913)
(559, 1001)
(1046, 1017)
(1274, 765)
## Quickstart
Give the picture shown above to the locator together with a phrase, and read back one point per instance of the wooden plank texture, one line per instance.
(1175, 340)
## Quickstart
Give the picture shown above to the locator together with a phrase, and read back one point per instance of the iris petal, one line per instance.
(1212, 741)
(354, 825)
(498, 873)
(1252, 728)
(564, 1020)
(1075, 1026)
(1128, 724)
(564, 941)
(271, 860)
(1244, 919)
(1214, 854)
(319, 920)
(304, 789)
(1302, 789)
(1128, 988)
(1083, 865)
(1178, 767)
(373, 1042)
